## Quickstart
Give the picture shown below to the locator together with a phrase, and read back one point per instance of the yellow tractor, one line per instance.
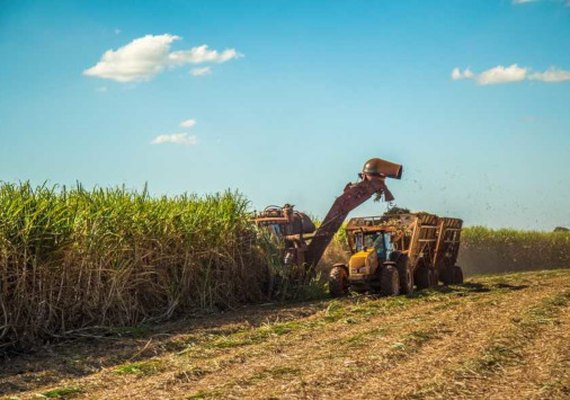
(393, 253)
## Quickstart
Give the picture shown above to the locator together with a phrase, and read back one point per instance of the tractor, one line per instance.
(394, 254)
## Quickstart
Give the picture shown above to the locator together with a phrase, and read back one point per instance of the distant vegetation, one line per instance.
(487, 250)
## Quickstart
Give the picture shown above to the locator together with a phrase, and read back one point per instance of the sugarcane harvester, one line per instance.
(303, 243)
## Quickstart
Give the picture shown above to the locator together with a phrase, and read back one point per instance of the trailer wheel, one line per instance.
(422, 277)
(433, 277)
(457, 275)
(447, 276)
(405, 275)
(338, 281)
(389, 281)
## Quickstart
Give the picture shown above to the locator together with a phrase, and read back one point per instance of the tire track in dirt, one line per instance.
(543, 370)
(524, 357)
(320, 367)
(75, 359)
(556, 382)
(480, 364)
(332, 359)
(211, 360)
(380, 369)
(228, 361)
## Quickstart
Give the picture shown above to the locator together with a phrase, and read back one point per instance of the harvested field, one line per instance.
(500, 336)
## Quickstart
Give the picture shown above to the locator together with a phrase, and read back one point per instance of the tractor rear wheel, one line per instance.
(422, 277)
(457, 275)
(338, 281)
(389, 281)
(405, 275)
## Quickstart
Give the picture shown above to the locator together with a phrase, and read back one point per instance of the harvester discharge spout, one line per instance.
(372, 181)
(304, 246)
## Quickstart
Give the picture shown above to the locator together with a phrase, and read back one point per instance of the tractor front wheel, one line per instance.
(338, 281)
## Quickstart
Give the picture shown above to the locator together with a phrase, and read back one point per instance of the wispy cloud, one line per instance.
(519, 2)
(500, 74)
(176, 138)
(189, 123)
(511, 74)
(201, 71)
(145, 57)
(551, 75)
(457, 74)
(179, 138)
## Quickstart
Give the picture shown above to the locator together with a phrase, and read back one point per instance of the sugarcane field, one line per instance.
(284, 200)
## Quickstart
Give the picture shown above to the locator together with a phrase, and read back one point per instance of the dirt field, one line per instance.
(496, 337)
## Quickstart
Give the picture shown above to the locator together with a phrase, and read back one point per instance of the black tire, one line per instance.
(447, 276)
(389, 281)
(457, 275)
(422, 277)
(338, 281)
(433, 277)
(405, 275)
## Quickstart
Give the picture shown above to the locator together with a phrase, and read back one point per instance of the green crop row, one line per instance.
(73, 259)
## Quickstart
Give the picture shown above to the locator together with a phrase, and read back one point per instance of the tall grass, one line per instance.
(73, 258)
(485, 250)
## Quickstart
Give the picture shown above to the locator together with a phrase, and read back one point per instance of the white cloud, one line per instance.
(145, 57)
(202, 54)
(517, 2)
(177, 138)
(512, 73)
(551, 75)
(101, 89)
(501, 74)
(117, 31)
(201, 71)
(189, 123)
(457, 74)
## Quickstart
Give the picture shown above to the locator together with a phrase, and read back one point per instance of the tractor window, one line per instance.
(370, 240)
(358, 242)
(379, 241)
(388, 245)
(380, 245)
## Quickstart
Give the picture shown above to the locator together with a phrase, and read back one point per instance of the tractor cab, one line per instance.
(379, 241)
(371, 245)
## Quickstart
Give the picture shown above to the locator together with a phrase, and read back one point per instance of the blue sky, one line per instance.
(289, 98)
